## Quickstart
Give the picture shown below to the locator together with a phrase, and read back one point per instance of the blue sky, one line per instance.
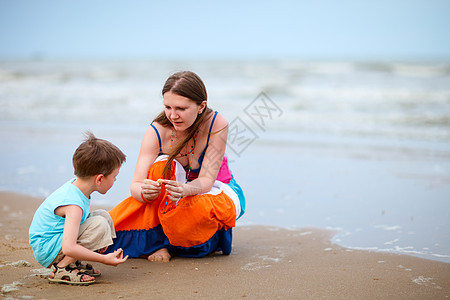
(321, 29)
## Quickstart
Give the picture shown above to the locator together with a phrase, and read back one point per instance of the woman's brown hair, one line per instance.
(189, 85)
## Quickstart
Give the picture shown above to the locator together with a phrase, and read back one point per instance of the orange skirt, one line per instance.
(193, 227)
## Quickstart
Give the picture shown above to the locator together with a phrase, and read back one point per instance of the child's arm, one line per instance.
(73, 214)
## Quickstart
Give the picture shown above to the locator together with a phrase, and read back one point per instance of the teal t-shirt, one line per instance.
(46, 230)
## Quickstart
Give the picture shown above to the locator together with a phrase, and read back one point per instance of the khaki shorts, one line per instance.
(96, 232)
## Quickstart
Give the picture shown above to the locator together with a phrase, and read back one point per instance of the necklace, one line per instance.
(189, 153)
(169, 205)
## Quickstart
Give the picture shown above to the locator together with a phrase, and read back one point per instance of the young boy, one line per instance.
(63, 232)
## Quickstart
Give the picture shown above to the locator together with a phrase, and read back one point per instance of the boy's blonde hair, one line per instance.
(96, 156)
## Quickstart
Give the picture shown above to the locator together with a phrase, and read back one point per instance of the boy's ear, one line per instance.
(99, 178)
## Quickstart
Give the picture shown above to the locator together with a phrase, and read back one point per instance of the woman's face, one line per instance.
(181, 111)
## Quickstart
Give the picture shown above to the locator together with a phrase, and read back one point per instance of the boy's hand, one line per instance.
(150, 189)
(115, 258)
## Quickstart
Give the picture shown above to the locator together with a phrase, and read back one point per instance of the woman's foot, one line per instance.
(161, 255)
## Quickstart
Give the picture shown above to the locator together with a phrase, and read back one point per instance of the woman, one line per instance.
(184, 200)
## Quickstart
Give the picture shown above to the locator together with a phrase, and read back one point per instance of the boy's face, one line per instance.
(108, 181)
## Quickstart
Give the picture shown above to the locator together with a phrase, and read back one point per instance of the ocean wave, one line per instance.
(374, 98)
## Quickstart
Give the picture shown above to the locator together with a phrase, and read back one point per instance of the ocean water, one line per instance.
(362, 148)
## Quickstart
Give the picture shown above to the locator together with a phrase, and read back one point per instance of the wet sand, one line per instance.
(266, 263)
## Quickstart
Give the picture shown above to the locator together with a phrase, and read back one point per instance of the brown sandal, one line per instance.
(87, 268)
(68, 275)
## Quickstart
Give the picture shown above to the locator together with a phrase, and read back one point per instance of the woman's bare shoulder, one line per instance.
(162, 130)
(152, 136)
(220, 122)
(157, 125)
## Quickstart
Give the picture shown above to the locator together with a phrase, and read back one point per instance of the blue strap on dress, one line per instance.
(159, 139)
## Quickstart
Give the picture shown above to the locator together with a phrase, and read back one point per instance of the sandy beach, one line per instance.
(266, 263)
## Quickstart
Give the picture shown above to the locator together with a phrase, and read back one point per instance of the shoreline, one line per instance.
(266, 262)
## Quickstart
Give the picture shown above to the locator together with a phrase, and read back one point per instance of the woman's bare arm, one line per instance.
(148, 153)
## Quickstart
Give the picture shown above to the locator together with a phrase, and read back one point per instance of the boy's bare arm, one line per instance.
(70, 247)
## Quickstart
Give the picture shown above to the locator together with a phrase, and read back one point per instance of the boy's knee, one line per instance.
(100, 212)
(94, 226)
(99, 223)
(95, 233)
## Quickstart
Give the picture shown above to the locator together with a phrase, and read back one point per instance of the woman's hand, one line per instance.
(174, 189)
(150, 190)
